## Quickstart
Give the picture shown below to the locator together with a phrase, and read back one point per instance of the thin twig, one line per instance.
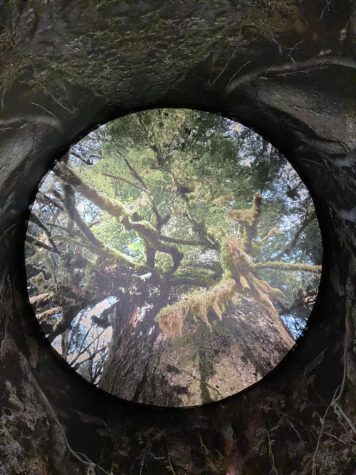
(290, 68)
(321, 432)
(236, 73)
(142, 463)
(223, 69)
(340, 411)
(170, 464)
(271, 456)
(125, 180)
(45, 109)
(335, 437)
(41, 244)
(53, 416)
(327, 7)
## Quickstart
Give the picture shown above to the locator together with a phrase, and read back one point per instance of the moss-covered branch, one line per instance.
(239, 277)
(198, 226)
(248, 218)
(287, 266)
(160, 220)
(183, 242)
(196, 277)
(41, 299)
(116, 209)
(95, 244)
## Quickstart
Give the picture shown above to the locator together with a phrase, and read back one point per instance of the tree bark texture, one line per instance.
(284, 68)
(146, 366)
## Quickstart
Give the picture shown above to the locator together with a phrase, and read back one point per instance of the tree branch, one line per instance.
(248, 218)
(288, 266)
(197, 226)
(160, 220)
(46, 199)
(311, 64)
(291, 245)
(42, 245)
(48, 233)
(39, 299)
(182, 241)
(145, 229)
(96, 245)
(47, 313)
(125, 180)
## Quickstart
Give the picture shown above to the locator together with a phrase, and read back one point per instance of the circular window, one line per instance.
(173, 257)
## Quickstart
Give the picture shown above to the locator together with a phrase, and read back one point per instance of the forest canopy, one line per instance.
(173, 257)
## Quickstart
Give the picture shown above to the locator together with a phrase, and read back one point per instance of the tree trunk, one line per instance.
(203, 365)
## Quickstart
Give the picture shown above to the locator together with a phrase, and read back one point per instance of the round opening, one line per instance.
(173, 257)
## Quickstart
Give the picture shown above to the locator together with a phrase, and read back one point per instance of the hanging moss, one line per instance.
(171, 318)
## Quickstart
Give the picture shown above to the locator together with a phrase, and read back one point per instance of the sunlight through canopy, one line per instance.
(173, 257)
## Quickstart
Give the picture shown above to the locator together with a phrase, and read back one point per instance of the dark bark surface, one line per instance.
(285, 68)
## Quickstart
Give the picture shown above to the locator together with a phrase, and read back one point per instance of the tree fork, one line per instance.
(148, 232)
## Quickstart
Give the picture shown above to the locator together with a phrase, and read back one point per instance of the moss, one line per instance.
(234, 260)
(171, 318)
(116, 209)
(288, 266)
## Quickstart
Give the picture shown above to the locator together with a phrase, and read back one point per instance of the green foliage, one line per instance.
(171, 206)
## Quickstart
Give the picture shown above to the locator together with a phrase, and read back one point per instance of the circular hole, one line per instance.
(173, 257)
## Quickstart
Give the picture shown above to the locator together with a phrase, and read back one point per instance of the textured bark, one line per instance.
(146, 366)
(68, 66)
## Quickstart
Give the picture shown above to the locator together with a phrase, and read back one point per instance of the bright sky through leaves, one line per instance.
(173, 256)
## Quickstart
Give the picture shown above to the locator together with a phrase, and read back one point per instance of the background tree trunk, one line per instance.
(146, 366)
